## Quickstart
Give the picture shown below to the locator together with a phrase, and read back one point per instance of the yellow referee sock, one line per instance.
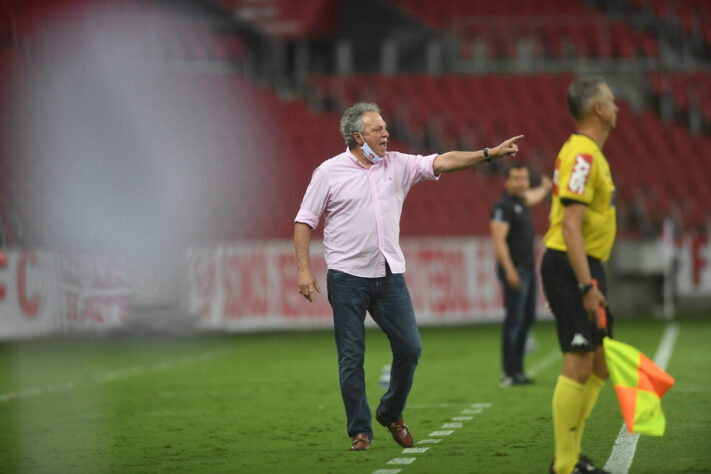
(591, 390)
(567, 410)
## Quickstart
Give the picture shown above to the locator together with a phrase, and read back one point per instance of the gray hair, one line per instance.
(352, 120)
(581, 94)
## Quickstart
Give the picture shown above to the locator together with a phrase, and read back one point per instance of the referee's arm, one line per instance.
(573, 214)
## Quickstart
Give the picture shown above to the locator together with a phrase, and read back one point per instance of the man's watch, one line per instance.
(583, 288)
(486, 154)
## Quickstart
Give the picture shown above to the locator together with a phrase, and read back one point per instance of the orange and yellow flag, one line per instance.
(640, 385)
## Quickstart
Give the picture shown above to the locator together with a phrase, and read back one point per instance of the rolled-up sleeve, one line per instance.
(425, 165)
(421, 169)
(315, 198)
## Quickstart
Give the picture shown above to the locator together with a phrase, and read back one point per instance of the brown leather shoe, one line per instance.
(401, 434)
(360, 442)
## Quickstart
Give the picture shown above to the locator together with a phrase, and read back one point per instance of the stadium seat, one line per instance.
(425, 114)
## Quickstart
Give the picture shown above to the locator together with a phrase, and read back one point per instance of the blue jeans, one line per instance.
(387, 299)
(520, 315)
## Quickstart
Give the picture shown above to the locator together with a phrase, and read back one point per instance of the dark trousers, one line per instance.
(387, 299)
(520, 307)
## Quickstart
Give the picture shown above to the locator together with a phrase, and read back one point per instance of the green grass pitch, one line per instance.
(270, 403)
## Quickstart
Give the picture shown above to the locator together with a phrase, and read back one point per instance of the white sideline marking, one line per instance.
(625, 445)
(429, 441)
(469, 411)
(545, 362)
(452, 425)
(623, 450)
(112, 376)
(414, 450)
(666, 346)
(437, 434)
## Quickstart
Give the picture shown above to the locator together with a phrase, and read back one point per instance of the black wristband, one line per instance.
(486, 154)
(584, 288)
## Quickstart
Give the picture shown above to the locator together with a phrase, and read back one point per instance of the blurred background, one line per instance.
(153, 154)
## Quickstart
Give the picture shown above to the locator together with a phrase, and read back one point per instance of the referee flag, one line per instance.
(639, 384)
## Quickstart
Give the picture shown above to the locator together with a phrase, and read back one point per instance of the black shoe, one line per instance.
(521, 379)
(584, 465)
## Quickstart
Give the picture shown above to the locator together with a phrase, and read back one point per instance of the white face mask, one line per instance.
(370, 154)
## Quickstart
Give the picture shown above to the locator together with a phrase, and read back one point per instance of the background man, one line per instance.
(580, 238)
(511, 227)
(360, 192)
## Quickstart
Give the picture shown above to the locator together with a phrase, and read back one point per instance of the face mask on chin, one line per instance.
(370, 154)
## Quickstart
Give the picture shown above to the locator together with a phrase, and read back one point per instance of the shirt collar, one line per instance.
(350, 155)
(511, 196)
(589, 138)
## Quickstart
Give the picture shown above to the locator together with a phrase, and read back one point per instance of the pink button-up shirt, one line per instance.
(362, 207)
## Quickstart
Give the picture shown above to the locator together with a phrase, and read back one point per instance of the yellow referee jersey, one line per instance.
(582, 174)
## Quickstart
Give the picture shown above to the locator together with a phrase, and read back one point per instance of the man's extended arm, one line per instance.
(539, 193)
(460, 160)
(308, 286)
(573, 215)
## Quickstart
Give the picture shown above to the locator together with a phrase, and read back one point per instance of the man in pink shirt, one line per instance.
(360, 192)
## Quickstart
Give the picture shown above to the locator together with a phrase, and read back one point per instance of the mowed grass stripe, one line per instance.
(271, 403)
(108, 377)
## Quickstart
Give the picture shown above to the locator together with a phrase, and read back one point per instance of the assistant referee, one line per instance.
(580, 238)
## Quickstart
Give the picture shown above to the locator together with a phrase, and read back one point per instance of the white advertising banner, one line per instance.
(693, 276)
(45, 293)
(27, 294)
(95, 291)
(253, 285)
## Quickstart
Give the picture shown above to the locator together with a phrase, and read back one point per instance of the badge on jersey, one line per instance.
(555, 176)
(580, 174)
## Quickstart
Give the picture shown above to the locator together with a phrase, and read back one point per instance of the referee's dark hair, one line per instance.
(581, 93)
(515, 166)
